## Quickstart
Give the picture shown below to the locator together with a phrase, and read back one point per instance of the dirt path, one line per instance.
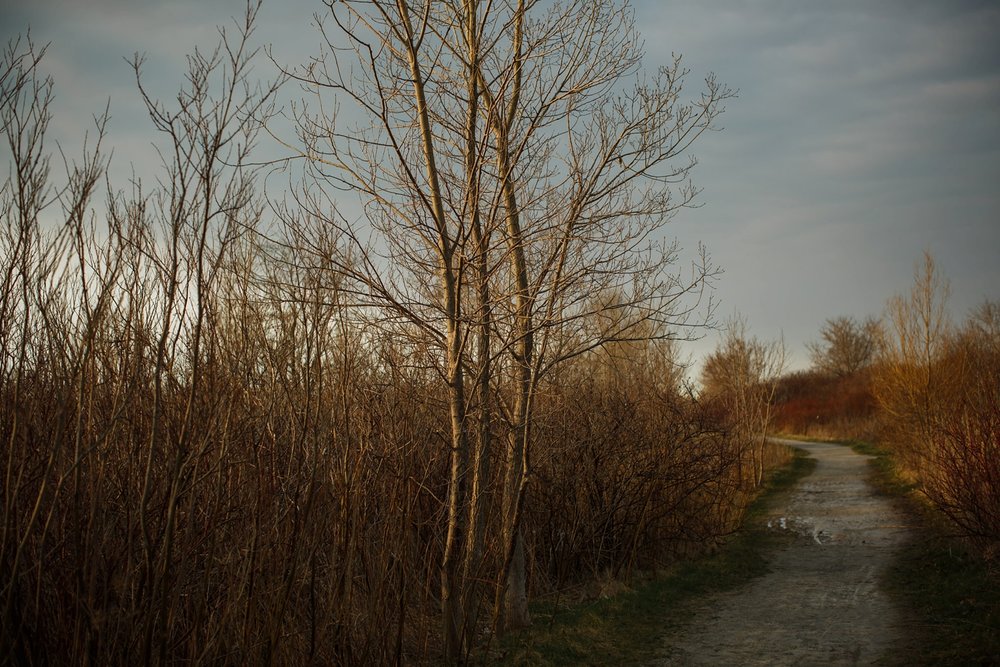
(820, 604)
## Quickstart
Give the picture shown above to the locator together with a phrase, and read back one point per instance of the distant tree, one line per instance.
(983, 325)
(847, 346)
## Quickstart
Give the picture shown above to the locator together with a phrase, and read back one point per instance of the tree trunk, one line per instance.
(515, 613)
(480, 463)
(452, 606)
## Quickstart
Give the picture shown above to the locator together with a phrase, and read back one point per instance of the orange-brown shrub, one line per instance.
(826, 406)
(939, 390)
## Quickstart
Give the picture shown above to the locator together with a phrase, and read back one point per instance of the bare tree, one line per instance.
(741, 375)
(847, 346)
(511, 163)
(907, 381)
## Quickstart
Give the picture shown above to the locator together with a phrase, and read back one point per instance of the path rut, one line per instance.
(821, 603)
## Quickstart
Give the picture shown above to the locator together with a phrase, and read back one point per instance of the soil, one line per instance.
(821, 603)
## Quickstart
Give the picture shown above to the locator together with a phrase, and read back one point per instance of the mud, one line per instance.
(821, 603)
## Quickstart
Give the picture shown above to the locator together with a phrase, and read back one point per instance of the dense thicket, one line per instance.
(287, 504)
(218, 448)
(820, 405)
(938, 387)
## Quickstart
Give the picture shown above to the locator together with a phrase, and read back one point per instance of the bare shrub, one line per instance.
(938, 390)
(740, 378)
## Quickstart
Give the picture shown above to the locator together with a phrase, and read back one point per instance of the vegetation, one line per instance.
(739, 381)
(627, 627)
(929, 392)
(237, 431)
(818, 405)
(366, 419)
(952, 593)
(939, 395)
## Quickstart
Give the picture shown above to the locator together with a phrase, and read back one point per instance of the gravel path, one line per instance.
(820, 604)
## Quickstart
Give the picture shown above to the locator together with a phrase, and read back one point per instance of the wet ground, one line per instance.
(821, 603)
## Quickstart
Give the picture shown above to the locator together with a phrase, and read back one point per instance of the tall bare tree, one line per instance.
(510, 161)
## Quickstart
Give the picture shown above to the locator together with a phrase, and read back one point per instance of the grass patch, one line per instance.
(955, 601)
(628, 628)
(885, 477)
(796, 437)
(953, 597)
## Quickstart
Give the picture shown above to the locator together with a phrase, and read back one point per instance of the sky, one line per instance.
(865, 133)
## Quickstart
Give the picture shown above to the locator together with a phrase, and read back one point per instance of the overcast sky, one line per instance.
(865, 132)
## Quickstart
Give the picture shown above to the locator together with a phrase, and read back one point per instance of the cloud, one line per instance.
(864, 132)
